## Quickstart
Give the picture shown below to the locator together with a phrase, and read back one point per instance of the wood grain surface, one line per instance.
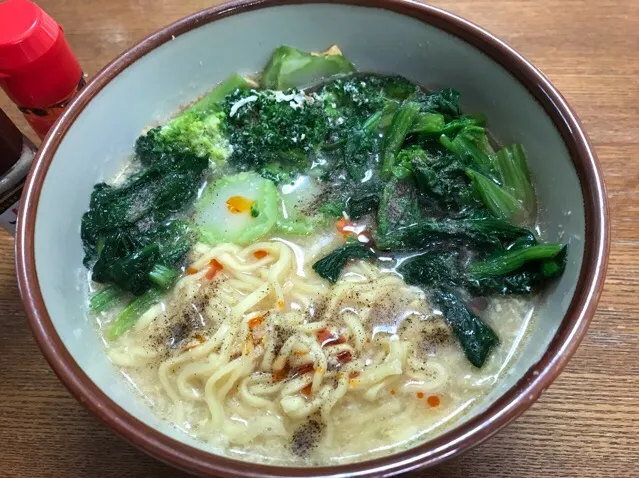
(586, 425)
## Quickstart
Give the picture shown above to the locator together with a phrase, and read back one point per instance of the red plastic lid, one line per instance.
(26, 33)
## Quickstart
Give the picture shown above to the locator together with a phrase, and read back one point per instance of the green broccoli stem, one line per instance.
(163, 276)
(218, 94)
(512, 260)
(496, 199)
(132, 312)
(104, 299)
(512, 167)
(397, 132)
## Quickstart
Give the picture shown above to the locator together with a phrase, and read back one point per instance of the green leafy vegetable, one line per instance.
(512, 260)
(483, 233)
(292, 68)
(515, 177)
(104, 299)
(360, 154)
(125, 231)
(445, 102)
(475, 336)
(358, 98)
(331, 266)
(132, 312)
(442, 179)
(405, 161)
(163, 277)
(355, 201)
(428, 123)
(216, 97)
(399, 128)
(498, 201)
(398, 208)
(433, 269)
(470, 154)
(516, 271)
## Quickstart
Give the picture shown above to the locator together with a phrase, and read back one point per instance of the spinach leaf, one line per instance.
(398, 208)
(445, 102)
(131, 272)
(481, 233)
(497, 199)
(433, 268)
(514, 175)
(331, 266)
(354, 199)
(442, 178)
(520, 270)
(475, 336)
(361, 153)
(129, 229)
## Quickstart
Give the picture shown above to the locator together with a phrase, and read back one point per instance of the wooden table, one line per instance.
(586, 425)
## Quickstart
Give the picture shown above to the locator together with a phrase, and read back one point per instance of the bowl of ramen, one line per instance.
(297, 246)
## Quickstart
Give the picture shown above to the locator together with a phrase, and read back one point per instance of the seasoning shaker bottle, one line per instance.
(38, 70)
(16, 156)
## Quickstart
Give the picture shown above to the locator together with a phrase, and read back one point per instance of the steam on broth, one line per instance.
(319, 275)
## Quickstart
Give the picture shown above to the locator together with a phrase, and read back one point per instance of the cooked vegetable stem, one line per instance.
(104, 299)
(132, 312)
(396, 134)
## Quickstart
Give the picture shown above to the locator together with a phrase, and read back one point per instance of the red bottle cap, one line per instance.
(38, 70)
(26, 33)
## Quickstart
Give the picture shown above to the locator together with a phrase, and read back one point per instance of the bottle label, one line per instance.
(9, 209)
(42, 119)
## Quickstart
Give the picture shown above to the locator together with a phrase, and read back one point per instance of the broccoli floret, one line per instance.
(351, 100)
(266, 127)
(194, 131)
(198, 130)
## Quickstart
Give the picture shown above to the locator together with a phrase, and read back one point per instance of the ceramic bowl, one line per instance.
(184, 60)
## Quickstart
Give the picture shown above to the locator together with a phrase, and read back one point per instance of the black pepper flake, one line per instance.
(306, 438)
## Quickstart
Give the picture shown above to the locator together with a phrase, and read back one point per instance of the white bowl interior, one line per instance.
(184, 68)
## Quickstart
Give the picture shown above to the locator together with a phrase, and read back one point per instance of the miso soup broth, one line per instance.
(320, 275)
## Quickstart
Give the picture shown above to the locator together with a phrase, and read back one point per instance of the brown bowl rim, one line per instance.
(509, 406)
